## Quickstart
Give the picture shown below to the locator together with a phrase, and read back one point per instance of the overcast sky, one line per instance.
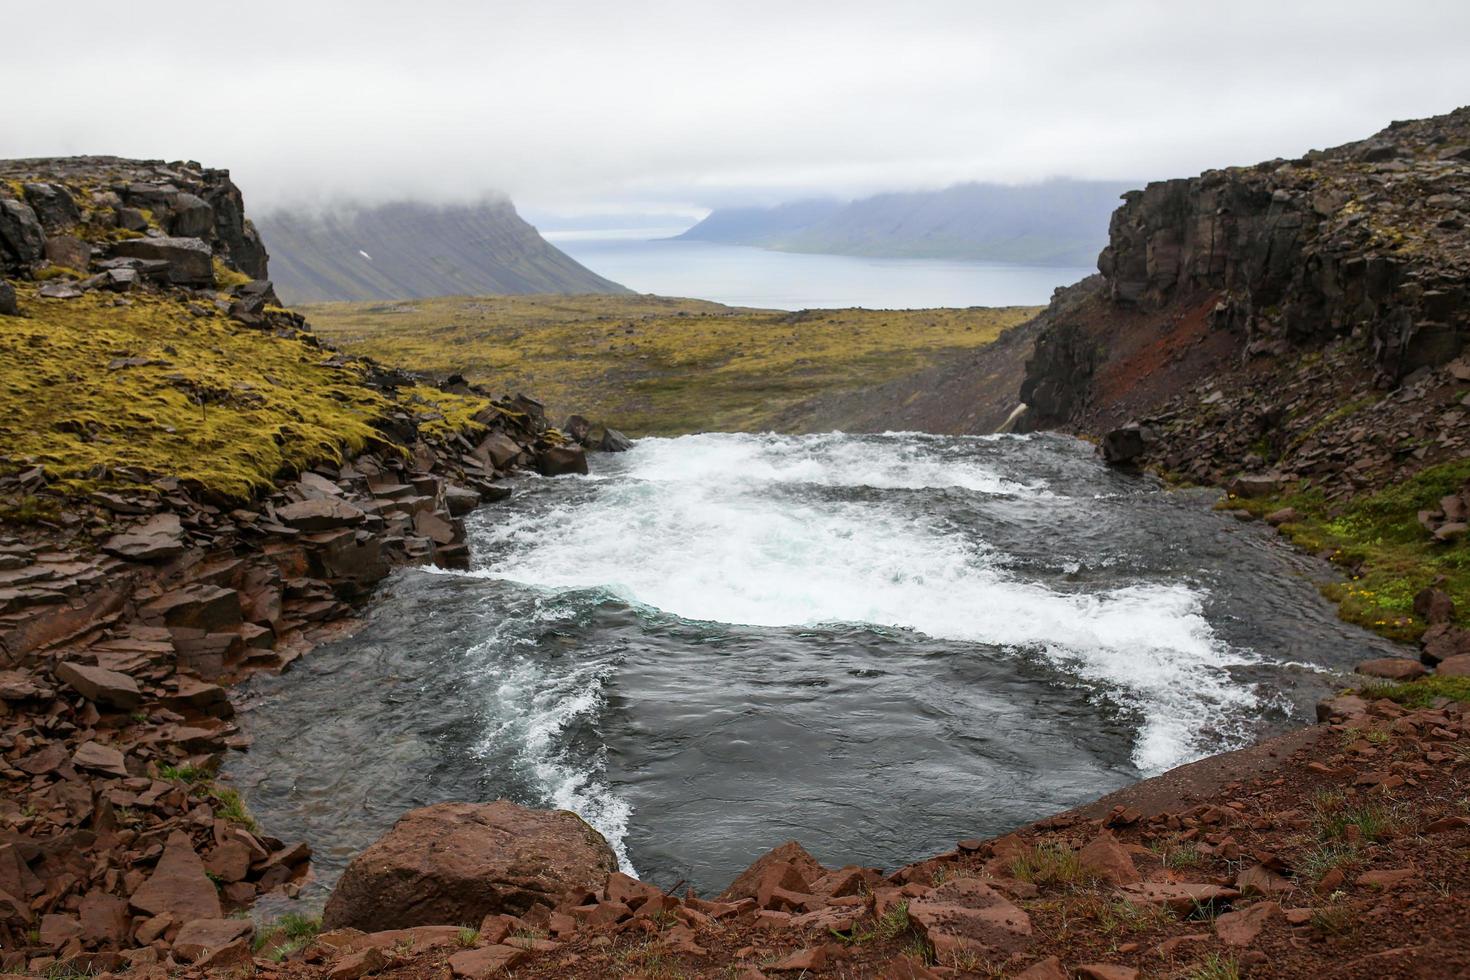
(583, 105)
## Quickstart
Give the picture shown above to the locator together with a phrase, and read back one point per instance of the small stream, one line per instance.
(873, 644)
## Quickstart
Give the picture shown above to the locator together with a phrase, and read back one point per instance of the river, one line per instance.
(874, 644)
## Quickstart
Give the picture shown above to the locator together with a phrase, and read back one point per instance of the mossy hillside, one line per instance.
(213, 402)
(658, 365)
(1379, 540)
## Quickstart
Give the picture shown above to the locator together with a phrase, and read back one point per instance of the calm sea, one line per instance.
(741, 275)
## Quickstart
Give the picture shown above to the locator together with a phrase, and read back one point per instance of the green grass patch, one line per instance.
(1051, 864)
(1421, 693)
(1379, 538)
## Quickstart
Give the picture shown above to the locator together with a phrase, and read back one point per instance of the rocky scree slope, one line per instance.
(192, 488)
(1296, 331)
(411, 250)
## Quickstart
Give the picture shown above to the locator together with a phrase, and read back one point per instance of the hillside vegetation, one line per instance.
(655, 365)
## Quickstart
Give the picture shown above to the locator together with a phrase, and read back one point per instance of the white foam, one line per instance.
(697, 527)
(533, 708)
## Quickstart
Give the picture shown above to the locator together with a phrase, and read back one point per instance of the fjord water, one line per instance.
(742, 275)
(874, 644)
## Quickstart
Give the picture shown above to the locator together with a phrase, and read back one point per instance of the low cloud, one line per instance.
(648, 105)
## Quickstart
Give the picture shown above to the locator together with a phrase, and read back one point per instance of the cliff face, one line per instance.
(1283, 290)
(1364, 241)
(410, 251)
(48, 206)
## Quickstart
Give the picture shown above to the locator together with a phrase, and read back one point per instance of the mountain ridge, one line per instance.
(1059, 222)
(410, 250)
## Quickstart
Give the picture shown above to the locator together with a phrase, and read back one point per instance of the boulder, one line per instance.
(1105, 857)
(460, 500)
(8, 304)
(104, 918)
(160, 537)
(198, 606)
(561, 460)
(192, 217)
(178, 885)
(320, 514)
(1458, 666)
(489, 961)
(577, 429)
(1255, 485)
(1443, 641)
(69, 251)
(459, 862)
(22, 239)
(966, 916)
(53, 205)
(201, 937)
(1392, 668)
(1123, 445)
(613, 441)
(789, 867)
(1242, 926)
(190, 260)
(95, 757)
(1434, 606)
(498, 449)
(107, 687)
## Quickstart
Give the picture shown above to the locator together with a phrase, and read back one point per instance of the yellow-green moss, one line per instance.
(651, 364)
(56, 272)
(225, 406)
(226, 278)
(456, 412)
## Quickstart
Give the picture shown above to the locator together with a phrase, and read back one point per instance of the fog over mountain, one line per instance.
(663, 104)
(1057, 222)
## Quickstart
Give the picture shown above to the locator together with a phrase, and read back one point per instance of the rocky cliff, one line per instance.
(1357, 256)
(409, 250)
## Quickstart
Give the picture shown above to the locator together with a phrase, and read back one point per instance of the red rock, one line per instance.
(1242, 926)
(802, 960)
(1047, 969)
(1178, 895)
(626, 890)
(103, 686)
(58, 930)
(1392, 668)
(1434, 606)
(561, 460)
(1444, 824)
(1106, 858)
(489, 961)
(1386, 878)
(788, 867)
(232, 959)
(104, 919)
(202, 937)
(454, 862)
(229, 862)
(359, 964)
(198, 606)
(320, 514)
(1262, 881)
(966, 915)
(1456, 666)
(1106, 971)
(161, 536)
(178, 886)
(100, 758)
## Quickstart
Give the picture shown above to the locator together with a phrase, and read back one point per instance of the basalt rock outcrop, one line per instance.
(1306, 317)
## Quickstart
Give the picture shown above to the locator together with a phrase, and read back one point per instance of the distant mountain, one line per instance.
(1057, 222)
(411, 250)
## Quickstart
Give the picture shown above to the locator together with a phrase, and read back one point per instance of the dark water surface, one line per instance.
(874, 644)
